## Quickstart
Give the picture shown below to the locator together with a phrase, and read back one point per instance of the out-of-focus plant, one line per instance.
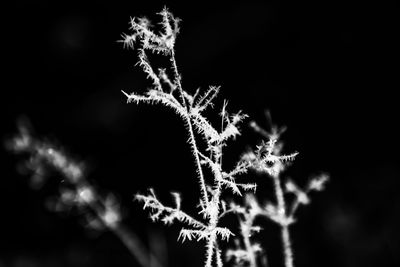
(100, 211)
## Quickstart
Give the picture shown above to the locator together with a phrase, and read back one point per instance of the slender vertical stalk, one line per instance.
(287, 246)
(213, 222)
(218, 256)
(245, 229)
(210, 249)
(285, 235)
(192, 139)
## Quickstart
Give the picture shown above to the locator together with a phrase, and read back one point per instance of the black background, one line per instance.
(324, 69)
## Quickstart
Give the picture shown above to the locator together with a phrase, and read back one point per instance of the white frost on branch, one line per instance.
(168, 91)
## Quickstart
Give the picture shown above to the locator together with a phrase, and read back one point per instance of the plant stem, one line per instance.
(192, 139)
(210, 249)
(287, 246)
(135, 247)
(245, 229)
(285, 235)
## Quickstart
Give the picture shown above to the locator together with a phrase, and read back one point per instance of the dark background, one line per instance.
(324, 69)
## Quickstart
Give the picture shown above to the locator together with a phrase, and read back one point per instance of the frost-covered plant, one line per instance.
(168, 91)
(267, 159)
(101, 211)
(190, 107)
